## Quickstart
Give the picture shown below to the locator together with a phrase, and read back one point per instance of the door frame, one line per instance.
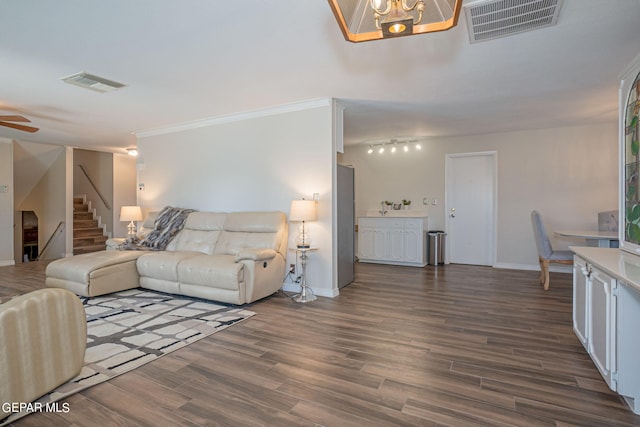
(494, 214)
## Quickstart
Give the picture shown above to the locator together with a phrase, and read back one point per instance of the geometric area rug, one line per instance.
(127, 329)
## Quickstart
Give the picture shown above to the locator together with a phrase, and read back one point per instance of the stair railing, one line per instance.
(60, 225)
(104, 200)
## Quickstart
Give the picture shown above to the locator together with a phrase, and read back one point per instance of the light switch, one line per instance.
(434, 202)
(4, 188)
(425, 201)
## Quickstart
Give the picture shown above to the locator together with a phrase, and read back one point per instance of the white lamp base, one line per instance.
(131, 229)
(305, 296)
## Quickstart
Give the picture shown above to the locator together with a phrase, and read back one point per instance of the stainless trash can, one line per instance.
(436, 247)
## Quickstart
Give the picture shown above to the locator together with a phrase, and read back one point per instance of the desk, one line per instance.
(602, 239)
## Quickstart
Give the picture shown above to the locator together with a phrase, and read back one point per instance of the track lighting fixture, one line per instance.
(394, 145)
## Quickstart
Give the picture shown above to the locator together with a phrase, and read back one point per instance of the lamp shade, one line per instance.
(302, 210)
(130, 213)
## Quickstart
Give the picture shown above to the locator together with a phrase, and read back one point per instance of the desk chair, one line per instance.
(546, 254)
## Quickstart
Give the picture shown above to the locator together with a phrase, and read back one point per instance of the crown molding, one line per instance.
(236, 117)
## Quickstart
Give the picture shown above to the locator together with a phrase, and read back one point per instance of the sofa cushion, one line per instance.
(251, 230)
(162, 265)
(200, 233)
(215, 271)
(81, 268)
(255, 222)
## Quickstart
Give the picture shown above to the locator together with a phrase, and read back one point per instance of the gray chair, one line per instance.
(546, 254)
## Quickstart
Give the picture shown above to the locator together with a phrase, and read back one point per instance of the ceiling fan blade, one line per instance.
(14, 119)
(20, 127)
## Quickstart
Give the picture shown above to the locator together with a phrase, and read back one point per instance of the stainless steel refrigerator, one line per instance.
(346, 225)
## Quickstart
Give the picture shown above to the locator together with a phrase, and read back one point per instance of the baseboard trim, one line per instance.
(554, 268)
(6, 262)
(319, 292)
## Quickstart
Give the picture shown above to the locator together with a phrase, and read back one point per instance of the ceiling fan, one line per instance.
(6, 121)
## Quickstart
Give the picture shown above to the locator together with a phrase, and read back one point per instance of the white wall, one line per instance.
(124, 189)
(568, 174)
(6, 202)
(49, 201)
(100, 168)
(259, 162)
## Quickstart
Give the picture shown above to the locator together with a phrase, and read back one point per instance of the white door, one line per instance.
(470, 208)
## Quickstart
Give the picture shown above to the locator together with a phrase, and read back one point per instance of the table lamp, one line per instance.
(131, 213)
(302, 210)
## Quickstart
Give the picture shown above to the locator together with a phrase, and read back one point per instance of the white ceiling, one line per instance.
(196, 59)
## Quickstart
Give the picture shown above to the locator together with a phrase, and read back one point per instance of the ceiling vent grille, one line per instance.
(89, 81)
(493, 19)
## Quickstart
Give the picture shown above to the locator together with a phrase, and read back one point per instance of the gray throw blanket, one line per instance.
(169, 222)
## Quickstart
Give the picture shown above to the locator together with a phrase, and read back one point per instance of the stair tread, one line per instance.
(88, 236)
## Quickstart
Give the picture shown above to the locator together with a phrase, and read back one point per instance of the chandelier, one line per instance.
(364, 20)
(396, 22)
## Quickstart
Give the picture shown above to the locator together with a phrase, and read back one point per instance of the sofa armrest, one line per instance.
(256, 254)
(43, 336)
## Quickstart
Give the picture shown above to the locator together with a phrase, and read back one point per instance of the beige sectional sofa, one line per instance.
(235, 258)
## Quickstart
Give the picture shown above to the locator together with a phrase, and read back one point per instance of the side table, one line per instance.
(306, 293)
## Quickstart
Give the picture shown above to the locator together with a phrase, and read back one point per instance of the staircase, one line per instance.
(88, 235)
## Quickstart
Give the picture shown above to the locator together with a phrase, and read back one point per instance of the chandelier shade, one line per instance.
(365, 20)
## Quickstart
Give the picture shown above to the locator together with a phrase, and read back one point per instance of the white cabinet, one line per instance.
(371, 242)
(399, 241)
(581, 274)
(602, 324)
(606, 319)
(628, 344)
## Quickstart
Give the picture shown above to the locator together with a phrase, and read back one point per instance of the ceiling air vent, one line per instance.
(492, 19)
(89, 81)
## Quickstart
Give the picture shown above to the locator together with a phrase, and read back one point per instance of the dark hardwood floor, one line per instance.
(454, 345)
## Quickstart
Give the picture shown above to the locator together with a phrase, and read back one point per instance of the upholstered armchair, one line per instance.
(43, 337)
(546, 254)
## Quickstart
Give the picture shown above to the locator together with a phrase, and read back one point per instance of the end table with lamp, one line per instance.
(303, 210)
(306, 293)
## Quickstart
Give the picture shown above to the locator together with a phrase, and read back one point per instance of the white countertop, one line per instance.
(620, 264)
(392, 213)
